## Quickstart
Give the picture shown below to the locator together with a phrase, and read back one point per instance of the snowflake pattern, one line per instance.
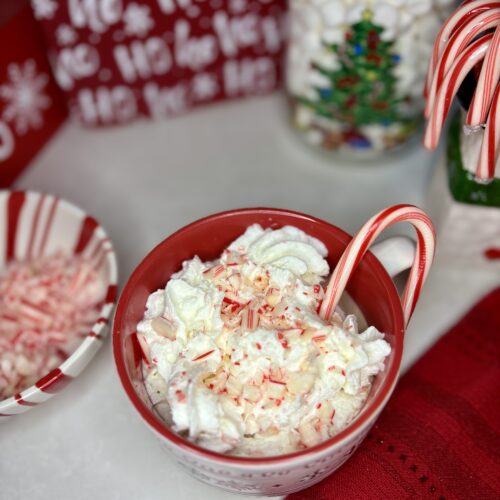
(66, 35)
(24, 96)
(204, 86)
(44, 9)
(137, 20)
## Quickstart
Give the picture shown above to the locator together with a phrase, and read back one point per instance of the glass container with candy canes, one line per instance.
(465, 193)
(355, 70)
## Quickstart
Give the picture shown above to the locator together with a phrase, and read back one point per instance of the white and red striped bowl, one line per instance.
(35, 224)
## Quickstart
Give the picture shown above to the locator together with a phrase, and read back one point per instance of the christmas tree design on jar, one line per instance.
(464, 197)
(355, 70)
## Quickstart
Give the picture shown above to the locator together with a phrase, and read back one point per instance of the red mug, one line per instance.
(371, 288)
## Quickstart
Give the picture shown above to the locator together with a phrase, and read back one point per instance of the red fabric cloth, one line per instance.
(439, 436)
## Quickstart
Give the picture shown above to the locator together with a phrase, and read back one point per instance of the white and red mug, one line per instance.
(370, 286)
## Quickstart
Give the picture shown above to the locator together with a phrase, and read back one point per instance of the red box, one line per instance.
(121, 59)
(31, 105)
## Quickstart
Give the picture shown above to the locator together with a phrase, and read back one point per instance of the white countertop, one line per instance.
(143, 182)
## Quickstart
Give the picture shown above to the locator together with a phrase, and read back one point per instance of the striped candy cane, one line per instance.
(488, 81)
(457, 43)
(491, 143)
(463, 14)
(360, 243)
(474, 53)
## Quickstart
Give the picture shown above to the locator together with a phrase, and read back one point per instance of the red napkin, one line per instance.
(439, 436)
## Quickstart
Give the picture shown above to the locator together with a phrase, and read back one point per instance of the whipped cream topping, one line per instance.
(238, 359)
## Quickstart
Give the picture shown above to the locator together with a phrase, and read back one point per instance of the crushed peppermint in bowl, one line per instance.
(219, 346)
(57, 291)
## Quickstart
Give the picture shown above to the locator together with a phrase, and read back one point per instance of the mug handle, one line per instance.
(396, 254)
(353, 254)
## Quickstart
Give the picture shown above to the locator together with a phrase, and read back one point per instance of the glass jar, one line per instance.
(355, 70)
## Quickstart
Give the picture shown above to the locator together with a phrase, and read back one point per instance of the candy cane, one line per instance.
(491, 143)
(454, 78)
(359, 245)
(465, 12)
(458, 41)
(488, 80)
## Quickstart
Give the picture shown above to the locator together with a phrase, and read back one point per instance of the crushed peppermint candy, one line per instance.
(47, 305)
(237, 359)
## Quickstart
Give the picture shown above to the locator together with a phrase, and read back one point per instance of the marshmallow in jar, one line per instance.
(355, 70)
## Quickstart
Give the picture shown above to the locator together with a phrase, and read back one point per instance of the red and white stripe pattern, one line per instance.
(487, 82)
(464, 41)
(490, 148)
(452, 81)
(358, 246)
(467, 10)
(460, 39)
(249, 319)
(32, 225)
